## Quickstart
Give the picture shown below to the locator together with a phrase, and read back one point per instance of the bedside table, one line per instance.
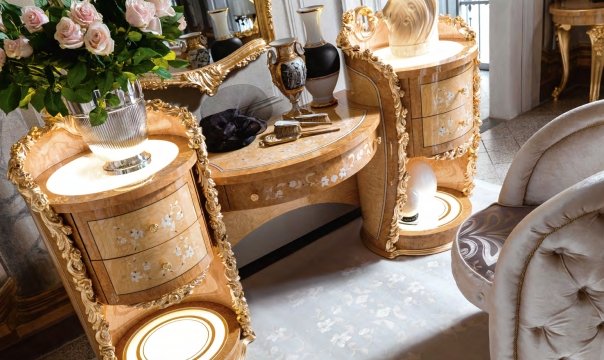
(134, 248)
(430, 112)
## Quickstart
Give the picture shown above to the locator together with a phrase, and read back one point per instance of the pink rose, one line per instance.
(154, 26)
(182, 23)
(84, 13)
(163, 8)
(139, 13)
(33, 18)
(2, 59)
(17, 49)
(69, 34)
(98, 39)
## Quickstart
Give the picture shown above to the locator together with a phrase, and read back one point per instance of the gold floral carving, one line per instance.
(460, 25)
(470, 147)
(39, 204)
(473, 150)
(214, 215)
(208, 78)
(349, 26)
(596, 36)
(175, 296)
(264, 14)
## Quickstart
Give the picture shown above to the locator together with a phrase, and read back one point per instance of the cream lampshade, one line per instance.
(421, 189)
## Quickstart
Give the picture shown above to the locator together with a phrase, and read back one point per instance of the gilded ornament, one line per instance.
(204, 179)
(39, 204)
(349, 26)
(208, 78)
(175, 296)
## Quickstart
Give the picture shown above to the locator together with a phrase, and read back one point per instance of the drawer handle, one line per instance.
(153, 228)
(166, 266)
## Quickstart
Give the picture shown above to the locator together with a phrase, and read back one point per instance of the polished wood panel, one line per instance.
(146, 227)
(446, 95)
(158, 265)
(306, 181)
(440, 130)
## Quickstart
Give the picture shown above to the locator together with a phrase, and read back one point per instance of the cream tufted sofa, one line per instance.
(535, 259)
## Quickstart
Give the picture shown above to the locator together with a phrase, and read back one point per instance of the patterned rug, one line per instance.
(334, 299)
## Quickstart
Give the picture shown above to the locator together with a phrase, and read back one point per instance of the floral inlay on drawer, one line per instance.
(158, 265)
(446, 95)
(449, 126)
(146, 227)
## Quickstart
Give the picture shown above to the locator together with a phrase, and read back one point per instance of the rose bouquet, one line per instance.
(70, 49)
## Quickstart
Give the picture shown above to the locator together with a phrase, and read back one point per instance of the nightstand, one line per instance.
(140, 248)
(430, 112)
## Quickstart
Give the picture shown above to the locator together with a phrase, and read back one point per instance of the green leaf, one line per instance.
(55, 14)
(54, 103)
(178, 63)
(141, 68)
(40, 3)
(113, 100)
(77, 74)
(67, 3)
(10, 97)
(142, 54)
(37, 100)
(135, 36)
(80, 95)
(123, 81)
(98, 116)
(26, 95)
(163, 73)
(105, 84)
(3, 36)
(161, 62)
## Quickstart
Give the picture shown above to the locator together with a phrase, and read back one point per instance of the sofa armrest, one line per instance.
(562, 153)
(548, 292)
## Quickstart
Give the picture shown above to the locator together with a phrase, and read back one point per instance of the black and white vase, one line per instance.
(197, 54)
(225, 43)
(322, 59)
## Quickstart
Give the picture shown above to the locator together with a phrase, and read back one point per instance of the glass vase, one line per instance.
(120, 141)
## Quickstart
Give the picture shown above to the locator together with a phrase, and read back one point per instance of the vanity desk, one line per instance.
(256, 184)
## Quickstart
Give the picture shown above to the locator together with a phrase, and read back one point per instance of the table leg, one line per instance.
(596, 35)
(563, 36)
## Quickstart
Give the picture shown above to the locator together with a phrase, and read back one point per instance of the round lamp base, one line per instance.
(198, 330)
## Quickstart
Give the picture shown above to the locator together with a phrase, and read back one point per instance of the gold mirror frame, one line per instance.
(208, 78)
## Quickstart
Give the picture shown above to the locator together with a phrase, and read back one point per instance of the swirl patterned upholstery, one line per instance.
(535, 260)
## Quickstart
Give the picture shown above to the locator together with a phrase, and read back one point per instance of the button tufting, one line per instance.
(559, 251)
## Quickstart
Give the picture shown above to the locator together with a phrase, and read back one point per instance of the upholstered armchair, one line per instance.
(535, 259)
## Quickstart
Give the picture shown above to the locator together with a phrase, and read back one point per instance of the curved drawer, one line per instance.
(444, 128)
(158, 265)
(306, 181)
(446, 95)
(146, 227)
